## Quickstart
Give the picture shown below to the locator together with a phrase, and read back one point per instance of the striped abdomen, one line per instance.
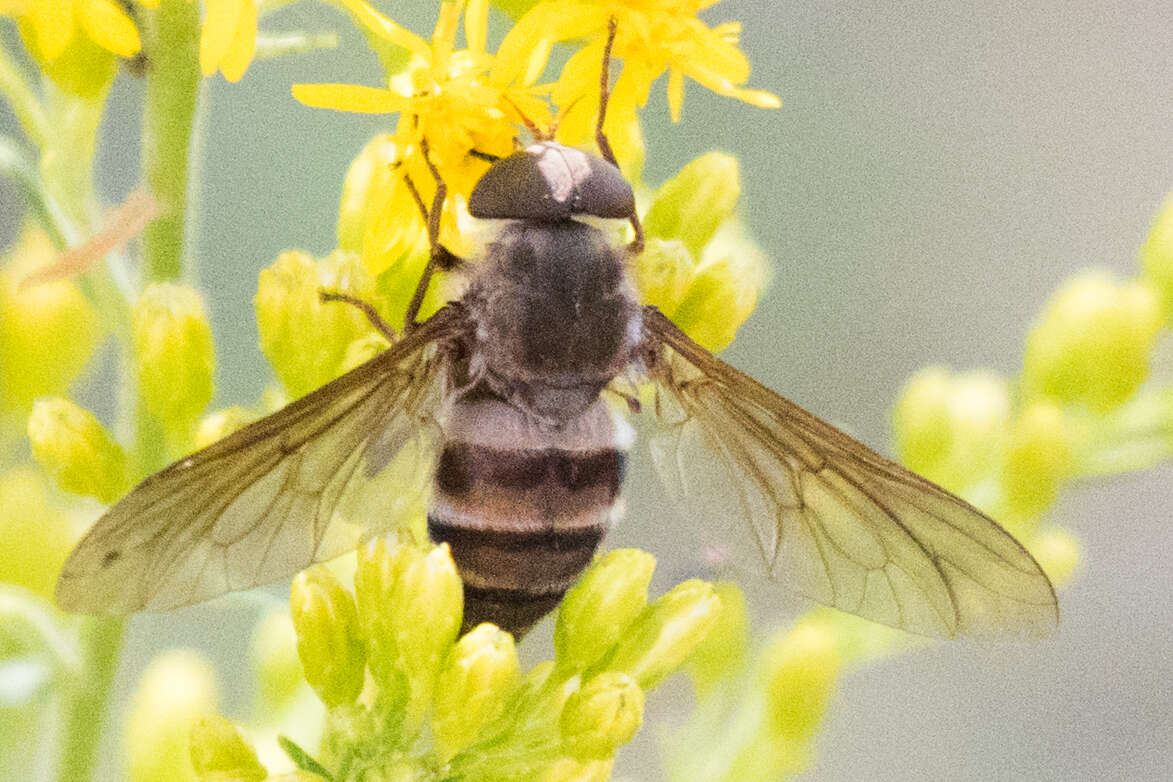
(523, 509)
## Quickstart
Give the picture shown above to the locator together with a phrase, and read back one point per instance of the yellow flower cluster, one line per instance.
(68, 37)
(458, 105)
(410, 698)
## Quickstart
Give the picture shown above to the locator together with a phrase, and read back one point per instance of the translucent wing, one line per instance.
(305, 484)
(827, 515)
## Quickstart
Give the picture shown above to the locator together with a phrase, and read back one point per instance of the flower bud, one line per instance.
(1092, 343)
(692, 205)
(275, 659)
(328, 643)
(70, 444)
(477, 677)
(1038, 459)
(596, 611)
(34, 536)
(220, 423)
(48, 331)
(220, 754)
(410, 605)
(801, 669)
(663, 273)
(377, 216)
(667, 632)
(952, 428)
(173, 353)
(304, 338)
(722, 652)
(1156, 255)
(602, 715)
(724, 290)
(176, 691)
(1058, 552)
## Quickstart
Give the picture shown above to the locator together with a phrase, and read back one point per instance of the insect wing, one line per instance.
(827, 515)
(305, 484)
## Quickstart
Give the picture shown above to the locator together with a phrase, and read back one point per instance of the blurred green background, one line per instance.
(936, 170)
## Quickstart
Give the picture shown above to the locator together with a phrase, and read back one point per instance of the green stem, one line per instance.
(86, 712)
(171, 37)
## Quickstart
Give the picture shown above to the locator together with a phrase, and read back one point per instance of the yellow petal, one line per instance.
(675, 93)
(476, 26)
(244, 44)
(220, 17)
(109, 27)
(350, 97)
(444, 38)
(53, 21)
(386, 29)
(759, 98)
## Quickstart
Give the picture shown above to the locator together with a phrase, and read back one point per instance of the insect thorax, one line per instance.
(556, 315)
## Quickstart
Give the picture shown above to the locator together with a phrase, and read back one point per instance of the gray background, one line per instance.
(934, 173)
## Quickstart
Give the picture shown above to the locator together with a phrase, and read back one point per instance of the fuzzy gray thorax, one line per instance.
(556, 316)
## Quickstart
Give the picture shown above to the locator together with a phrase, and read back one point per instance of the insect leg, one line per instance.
(637, 243)
(440, 256)
(372, 314)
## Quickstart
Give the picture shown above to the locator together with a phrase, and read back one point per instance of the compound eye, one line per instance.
(550, 182)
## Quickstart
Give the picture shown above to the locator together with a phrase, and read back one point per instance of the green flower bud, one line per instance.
(34, 536)
(596, 611)
(304, 338)
(722, 652)
(377, 217)
(602, 715)
(328, 643)
(725, 291)
(667, 632)
(801, 669)
(952, 429)
(694, 203)
(477, 677)
(410, 605)
(176, 691)
(273, 649)
(173, 353)
(1092, 343)
(1059, 553)
(575, 770)
(921, 421)
(663, 273)
(219, 424)
(75, 449)
(220, 754)
(1156, 255)
(47, 332)
(1038, 459)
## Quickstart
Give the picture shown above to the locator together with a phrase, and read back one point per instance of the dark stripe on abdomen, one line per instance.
(522, 524)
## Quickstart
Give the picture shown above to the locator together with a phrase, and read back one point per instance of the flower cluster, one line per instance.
(77, 42)
(408, 697)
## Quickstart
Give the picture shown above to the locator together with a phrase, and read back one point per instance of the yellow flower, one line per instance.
(228, 40)
(54, 24)
(651, 37)
(444, 97)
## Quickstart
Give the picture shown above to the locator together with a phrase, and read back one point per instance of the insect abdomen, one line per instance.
(522, 515)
